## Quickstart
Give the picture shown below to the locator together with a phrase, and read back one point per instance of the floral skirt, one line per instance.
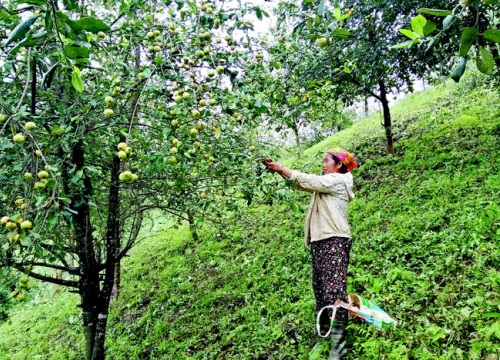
(330, 259)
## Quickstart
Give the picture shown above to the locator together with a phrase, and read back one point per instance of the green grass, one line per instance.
(426, 232)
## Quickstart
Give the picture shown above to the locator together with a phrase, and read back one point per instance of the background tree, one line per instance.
(353, 49)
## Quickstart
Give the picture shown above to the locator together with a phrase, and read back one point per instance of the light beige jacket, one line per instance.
(327, 213)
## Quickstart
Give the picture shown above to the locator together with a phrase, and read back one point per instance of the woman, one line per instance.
(328, 234)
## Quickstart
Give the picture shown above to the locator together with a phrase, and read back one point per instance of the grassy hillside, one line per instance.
(426, 233)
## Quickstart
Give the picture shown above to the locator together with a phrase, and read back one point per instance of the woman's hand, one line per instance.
(272, 166)
(277, 167)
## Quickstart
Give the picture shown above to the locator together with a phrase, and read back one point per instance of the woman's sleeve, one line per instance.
(330, 184)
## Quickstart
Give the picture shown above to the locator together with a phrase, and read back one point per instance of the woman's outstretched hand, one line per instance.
(278, 168)
(272, 166)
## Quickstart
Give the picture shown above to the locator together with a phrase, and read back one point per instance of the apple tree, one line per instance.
(106, 114)
(352, 49)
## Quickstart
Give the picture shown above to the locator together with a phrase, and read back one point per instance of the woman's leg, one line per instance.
(330, 259)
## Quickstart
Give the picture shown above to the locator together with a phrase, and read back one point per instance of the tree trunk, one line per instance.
(366, 106)
(387, 118)
(192, 227)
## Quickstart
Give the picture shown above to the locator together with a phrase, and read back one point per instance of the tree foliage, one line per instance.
(107, 114)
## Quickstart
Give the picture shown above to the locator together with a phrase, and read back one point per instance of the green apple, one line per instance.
(200, 125)
(322, 42)
(109, 100)
(101, 34)
(202, 102)
(21, 297)
(193, 132)
(19, 138)
(185, 95)
(122, 154)
(30, 125)
(174, 122)
(251, 148)
(122, 146)
(11, 226)
(157, 33)
(3, 117)
(211, 73)
(108, 113)
(134, 178)
(174, 150)
(128, 150)
(195, 113)
(175, 141)
(177, 98)
(38, 153)
(26, 225)
(172, 112)
(150, 35)
(197, 144)
(203, 195)
(171, 160)
(4, 220)
(39, 185)
(125, 176)
(43, 174)
(18, 202)
(219, 69)
(212, 101)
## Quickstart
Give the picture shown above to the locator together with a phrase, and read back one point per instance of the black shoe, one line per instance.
(338, 337)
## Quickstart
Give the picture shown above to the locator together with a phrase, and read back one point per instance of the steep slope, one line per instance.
(426, 233)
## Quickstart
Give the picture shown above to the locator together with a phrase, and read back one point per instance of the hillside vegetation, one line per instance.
(426, 233)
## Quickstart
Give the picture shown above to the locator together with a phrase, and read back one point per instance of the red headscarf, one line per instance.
(345, 157)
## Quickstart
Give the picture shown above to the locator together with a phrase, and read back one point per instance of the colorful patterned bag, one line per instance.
(361, 308)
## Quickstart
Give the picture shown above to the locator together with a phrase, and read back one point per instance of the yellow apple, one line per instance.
(30, 125)
(19, 138)
(26, 225)
(43, 174)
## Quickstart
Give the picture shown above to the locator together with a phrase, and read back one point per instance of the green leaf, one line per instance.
(485, 61)
(276, 64)
(76, 80)
(336, 13)
(403, 45)
(76, 52)
(218, 132)
(429, 27)
(417, 24)
(295, 208)
(33, 2)
(92, 25)
(459, 70)
(436, 12)
(76, 27)
(492, 314)
(321, 8)
(469, 35)
(341, 32)
(448, 21)
(21, 29)
(492, 35)
(258, 12)
(491, 2)
(409, 33)
(70, 4)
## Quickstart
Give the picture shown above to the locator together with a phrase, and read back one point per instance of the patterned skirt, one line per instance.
(330, 259)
